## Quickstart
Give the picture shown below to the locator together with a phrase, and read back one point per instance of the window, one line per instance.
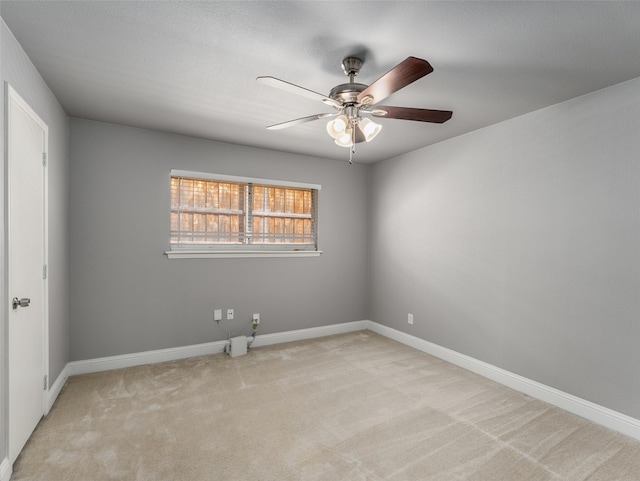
(219, 216)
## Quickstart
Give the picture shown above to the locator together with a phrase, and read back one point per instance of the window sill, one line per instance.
(201, 254)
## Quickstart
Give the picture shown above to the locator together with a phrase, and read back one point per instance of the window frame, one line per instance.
(246, 250)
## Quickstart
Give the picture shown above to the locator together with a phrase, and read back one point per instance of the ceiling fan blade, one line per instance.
(296, 89)
(407, 113)
(303, 120)
(406, 72)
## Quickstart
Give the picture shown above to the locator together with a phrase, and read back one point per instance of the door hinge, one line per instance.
(44, 271)
(44, 159)
(46, 382)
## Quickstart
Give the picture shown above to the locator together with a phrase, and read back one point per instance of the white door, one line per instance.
(26, 228)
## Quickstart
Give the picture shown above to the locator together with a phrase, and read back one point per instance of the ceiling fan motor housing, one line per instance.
(347, 93)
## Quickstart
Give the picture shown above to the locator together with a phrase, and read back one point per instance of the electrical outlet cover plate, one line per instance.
(229, 313)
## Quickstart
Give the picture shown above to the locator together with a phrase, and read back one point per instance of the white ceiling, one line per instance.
(190, 67)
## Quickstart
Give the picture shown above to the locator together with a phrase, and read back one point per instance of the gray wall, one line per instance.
(19, 72)
(128, 297)
(519, 245)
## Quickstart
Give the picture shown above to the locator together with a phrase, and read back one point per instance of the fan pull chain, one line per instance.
(352, 150)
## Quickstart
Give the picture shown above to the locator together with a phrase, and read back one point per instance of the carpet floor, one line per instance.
(351, 407)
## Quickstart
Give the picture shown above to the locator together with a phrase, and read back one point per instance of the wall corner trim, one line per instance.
(5, 470)
(593, 412)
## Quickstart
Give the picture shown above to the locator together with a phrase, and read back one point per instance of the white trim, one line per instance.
(310, 333)
(210, 254)
(56, 388)
(573, 404)
(5, 470)
(142, 358)
(150, 357)
(249, 180)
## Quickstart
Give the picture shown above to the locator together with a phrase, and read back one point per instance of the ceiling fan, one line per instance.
(355, 102)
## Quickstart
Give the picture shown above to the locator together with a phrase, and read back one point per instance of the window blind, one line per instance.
(212, 213)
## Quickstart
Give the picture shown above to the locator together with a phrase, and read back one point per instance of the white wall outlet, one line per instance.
(256, 319)
(229, 313)
(410, 318)
(217, 314)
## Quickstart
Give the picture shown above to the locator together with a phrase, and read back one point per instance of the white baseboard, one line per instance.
(310, 333)
(586, 409)
(150, 357)
(141, 358)
(5, 470)
(56, 387)
(573, 404)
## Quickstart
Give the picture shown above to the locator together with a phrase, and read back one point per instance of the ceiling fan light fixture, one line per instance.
(369, 129)
(338, 126)
(345, 139)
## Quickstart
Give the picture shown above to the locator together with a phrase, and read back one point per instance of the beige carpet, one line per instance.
(353, 407)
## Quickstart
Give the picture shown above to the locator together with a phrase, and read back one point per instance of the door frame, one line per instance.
(14, 100)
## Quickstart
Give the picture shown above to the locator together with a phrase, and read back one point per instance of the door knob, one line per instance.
(24, 302)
